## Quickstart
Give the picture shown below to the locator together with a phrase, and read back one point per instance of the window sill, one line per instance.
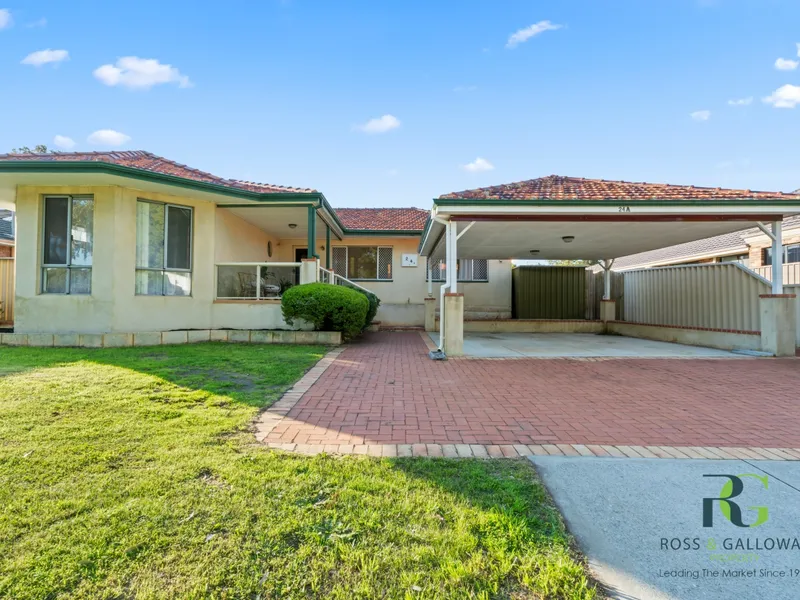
(248, 301)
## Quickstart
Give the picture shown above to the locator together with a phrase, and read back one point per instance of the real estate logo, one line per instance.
(732, 488)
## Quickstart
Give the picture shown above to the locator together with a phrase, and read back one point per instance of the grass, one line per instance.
(132, 473)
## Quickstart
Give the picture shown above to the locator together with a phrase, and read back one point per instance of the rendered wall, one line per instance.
(113, 305)
(402, 299)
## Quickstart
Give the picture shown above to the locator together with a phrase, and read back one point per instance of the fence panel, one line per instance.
(598, 289)
(716, 296)
(6, 290)
(549, 292)
(791, 273)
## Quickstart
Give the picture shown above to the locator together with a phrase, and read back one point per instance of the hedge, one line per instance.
(327, 307)
(374, 303)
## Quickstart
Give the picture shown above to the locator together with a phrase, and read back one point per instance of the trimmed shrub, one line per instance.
(327, 307)
(374, 303)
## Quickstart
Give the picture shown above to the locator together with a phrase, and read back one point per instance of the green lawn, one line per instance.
(132, 473)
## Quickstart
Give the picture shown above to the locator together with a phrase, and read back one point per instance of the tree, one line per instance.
(570, 263)
(40, 149)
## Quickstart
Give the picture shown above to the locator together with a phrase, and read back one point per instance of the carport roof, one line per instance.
(558, 217)
(557, 187)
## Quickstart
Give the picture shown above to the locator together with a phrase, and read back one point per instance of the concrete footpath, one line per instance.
(640, 523)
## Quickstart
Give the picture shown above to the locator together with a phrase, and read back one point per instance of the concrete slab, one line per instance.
(640, 524)
(576, 345)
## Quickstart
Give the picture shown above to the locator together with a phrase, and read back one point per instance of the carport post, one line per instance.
(608, 308)
(777, 257)
(453, 306)
(778, 315)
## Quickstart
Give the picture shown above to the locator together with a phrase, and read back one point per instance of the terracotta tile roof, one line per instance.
(555, 187)
(146, 161)
(383, 219)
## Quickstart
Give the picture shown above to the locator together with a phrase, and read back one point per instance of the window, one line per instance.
(68, 240)
(469, 269)
(791, 254)
(363, 262)
(163, 249)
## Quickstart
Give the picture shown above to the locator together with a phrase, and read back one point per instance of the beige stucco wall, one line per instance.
(402, 299)
(113, 305)
(218, 236)
(239, 241)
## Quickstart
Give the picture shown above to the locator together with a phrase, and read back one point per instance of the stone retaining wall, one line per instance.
(158, 338)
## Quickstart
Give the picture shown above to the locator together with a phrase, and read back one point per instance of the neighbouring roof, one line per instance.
(146, 161)
(719, 245)
(382, 219)
(6, 225)
(556, 187)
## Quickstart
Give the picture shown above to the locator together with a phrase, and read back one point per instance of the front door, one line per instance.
(299, 255)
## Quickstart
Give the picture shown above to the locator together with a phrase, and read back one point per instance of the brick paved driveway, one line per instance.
(383, 389)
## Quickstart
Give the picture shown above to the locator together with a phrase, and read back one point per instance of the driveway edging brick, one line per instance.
(275, 414)
(491, 451)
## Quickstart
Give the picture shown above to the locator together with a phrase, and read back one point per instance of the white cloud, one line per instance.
(380, 125)
(5, 18)
(43, 57)
(798, 48)
(785, 64)
(741, 101)
(786, 96)
(108, 137)
(701, 115)
(40, 23)
(526, 33)
(478, 165)
(140, 73)
(64, 142)
(460, 89)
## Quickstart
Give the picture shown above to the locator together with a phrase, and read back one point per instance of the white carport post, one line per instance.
(608, 307)
(430, 300)
(777, 310)
(452, 307)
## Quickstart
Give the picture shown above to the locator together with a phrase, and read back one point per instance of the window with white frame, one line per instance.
(68, 244)
(469, 269)
(363, 262)
(791, 254)
(163, 249)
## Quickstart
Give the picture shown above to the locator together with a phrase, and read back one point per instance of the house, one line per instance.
(132, 243)
(750, 247)
(121, 248)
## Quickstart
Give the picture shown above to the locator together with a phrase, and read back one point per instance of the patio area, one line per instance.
(383, 389)
(576, 345)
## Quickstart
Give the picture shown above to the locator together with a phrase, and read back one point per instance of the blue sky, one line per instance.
(281, 91)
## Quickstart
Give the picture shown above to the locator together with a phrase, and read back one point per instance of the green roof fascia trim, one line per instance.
(141, 174)
(384, 232)
(33, 166)
(745, 201)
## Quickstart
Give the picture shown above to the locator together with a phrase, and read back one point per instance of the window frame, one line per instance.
(68, 265)
(378, 248)
(429, 270)
(165, 269)
(766, 254)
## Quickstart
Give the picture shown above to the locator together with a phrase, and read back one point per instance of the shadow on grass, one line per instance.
(251, 374)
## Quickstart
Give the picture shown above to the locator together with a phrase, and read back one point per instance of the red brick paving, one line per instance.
(384, 389)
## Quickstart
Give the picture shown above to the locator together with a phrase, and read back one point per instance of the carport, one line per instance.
(564, 218)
